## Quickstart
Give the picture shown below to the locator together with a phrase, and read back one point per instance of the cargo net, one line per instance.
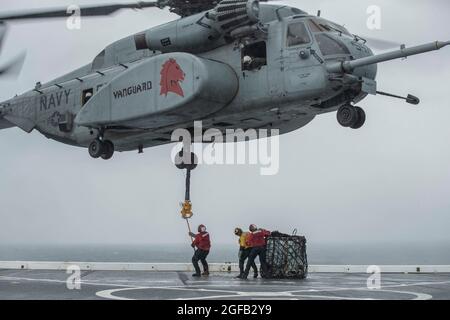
(286, 256)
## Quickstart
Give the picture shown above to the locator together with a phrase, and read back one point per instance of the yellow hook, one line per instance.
(186, 210)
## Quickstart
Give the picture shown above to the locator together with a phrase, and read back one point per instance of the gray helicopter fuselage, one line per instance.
(274, 78)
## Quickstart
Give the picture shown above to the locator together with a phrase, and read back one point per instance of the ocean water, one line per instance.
(435, 253)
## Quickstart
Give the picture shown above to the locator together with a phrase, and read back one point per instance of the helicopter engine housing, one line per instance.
(201, 32)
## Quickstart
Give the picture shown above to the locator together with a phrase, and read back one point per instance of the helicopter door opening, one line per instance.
(87, 94)
(254, 56)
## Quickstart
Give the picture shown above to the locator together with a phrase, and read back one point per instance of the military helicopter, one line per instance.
(231, 64)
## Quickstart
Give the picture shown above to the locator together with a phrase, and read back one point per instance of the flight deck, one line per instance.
(164, 282)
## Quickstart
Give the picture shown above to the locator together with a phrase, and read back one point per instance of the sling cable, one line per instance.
(187, 163)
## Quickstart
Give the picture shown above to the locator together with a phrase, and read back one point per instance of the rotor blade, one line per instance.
(380, 44)
(13, 68)
(86, 11)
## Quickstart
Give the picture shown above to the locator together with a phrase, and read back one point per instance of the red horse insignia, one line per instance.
(171, 76)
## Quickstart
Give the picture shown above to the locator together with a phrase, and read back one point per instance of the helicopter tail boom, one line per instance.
(349, 66)
(4, 124)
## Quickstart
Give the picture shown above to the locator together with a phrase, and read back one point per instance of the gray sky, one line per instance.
(388, 182)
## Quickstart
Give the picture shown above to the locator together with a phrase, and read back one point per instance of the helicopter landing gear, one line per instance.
(103, 149)
(350, 116)
(96, 149)
(108, 151)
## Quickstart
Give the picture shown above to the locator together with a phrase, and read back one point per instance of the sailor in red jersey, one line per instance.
(203, 245)
(257, 240)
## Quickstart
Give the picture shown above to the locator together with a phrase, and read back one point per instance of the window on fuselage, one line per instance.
(86, 96)
(297, 34)
(254, 56)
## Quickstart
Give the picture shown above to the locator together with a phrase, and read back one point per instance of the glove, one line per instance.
(191, 234)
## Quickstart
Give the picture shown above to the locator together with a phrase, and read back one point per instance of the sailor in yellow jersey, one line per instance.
(244, 251)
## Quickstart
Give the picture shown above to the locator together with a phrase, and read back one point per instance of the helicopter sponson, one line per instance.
(172, 87)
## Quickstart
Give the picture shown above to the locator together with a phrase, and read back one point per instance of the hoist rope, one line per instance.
(187, 196)
(186, 211)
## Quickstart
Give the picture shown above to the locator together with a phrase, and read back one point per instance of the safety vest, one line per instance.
(243, 240)
(202, 241)
(257, 238)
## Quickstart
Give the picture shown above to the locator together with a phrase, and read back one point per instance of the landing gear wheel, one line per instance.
(108, 150)
(180, 164)
(361, 118)
(96, 149)
(347, 116)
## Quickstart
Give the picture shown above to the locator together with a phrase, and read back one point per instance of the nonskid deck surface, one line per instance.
(42, 284)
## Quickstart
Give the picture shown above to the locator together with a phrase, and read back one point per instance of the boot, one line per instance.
(243, 276)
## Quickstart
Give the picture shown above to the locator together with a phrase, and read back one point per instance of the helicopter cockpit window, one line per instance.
(330, 46)
(315, 26)
(254, 56)
(322, 25)
(297, 34)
